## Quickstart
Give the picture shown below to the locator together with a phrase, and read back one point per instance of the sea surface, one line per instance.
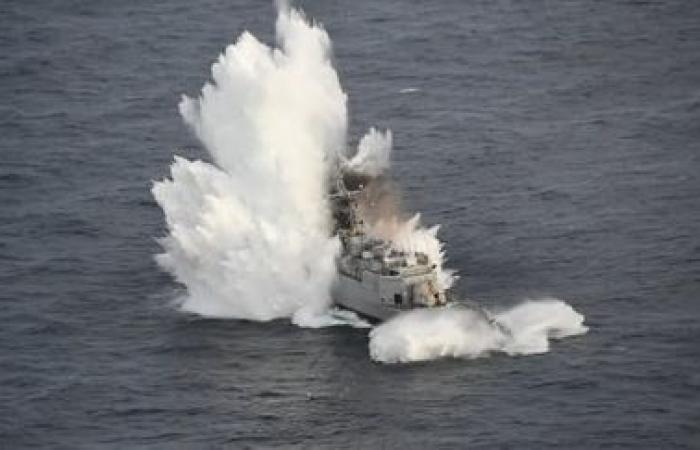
(557, 142)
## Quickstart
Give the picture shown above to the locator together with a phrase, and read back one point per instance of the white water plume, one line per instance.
(249, 233)
(373, 151)
(423, 334)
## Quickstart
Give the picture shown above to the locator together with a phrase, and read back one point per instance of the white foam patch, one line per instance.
(422, 335)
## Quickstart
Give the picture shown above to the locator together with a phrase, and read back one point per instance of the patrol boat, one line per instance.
(374, 279)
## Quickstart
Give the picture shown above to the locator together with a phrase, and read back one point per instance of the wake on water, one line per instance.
(249, 232)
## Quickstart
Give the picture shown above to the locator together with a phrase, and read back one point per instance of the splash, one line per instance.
(372, 157)
(422, 335)
(249, 232)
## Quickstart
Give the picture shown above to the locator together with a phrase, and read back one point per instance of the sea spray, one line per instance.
(249, 233)
(373, 152)
(423, 334)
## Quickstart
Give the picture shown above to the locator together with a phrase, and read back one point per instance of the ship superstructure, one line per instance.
(375, 279)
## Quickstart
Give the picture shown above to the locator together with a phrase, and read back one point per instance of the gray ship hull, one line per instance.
(351, 294)
(366, 298)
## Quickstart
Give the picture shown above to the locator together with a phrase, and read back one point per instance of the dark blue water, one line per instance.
(558, 143)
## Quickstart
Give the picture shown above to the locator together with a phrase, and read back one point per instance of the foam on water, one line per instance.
(525, 329)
